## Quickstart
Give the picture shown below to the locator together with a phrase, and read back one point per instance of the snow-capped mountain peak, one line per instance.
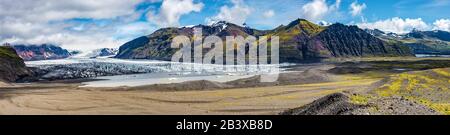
(324, 23)
(102, 52)
(220, 24)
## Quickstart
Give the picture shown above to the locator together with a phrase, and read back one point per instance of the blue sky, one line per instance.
(90, 24)
(429, 10)
(287, 10)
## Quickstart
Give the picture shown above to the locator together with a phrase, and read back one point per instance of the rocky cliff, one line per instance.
(339, 40)
(12, 66)
(41, 52)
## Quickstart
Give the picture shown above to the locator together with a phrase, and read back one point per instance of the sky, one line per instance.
(90, 24)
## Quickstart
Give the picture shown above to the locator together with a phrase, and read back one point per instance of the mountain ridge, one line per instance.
(300, 41)
(434, 42)
(12, 67)
(40, 52)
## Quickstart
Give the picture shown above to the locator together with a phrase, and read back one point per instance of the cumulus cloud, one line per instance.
(52, 21)
(324, 23)
(356, 9)
(237, 14)
(269, 14)
(91, 37)
(317, 9)
(82, 42)
(171, 11)
(442, 24)
(53, 10)
(396, 25)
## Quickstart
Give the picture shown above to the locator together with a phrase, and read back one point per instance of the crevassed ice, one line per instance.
(154, 65)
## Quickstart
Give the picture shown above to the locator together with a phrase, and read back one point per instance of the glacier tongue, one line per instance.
(74, 68)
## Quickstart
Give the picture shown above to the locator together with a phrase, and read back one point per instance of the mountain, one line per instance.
(436, 34)
(12, 67)
(383, 35)
(75, 52)
(375, 32)
(102, 52)
(340, 40)
(294, 39)
(41, 52)
(156, 46)
(300, 41)
(428, 42)
(426, 46)
(422, 42)
(107, 52)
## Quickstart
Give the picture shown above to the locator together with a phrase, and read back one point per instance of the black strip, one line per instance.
(167, 124)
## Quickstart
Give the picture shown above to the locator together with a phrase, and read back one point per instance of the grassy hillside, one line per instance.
(8, 52)
(299, 27)
(12, 66)
(430, 88)
(405, 83)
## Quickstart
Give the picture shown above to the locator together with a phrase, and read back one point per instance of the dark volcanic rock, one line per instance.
(398, 106)
(127, 50)
(339, 40)
(333, 104)
(12, 66)
(340, 104)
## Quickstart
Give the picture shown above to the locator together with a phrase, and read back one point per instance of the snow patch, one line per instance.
(221, 24)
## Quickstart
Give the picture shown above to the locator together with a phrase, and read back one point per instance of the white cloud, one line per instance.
(83, 42)
(54, 10)
(71, 41)
(442, 24)
(50, 21)
(356, 9)
(237, 14)
(324, 23)
(396, 25)
(171, 11)
(318, 9)
(269, 14)
(91, 37)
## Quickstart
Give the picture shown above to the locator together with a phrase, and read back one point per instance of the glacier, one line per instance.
(120, 72)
